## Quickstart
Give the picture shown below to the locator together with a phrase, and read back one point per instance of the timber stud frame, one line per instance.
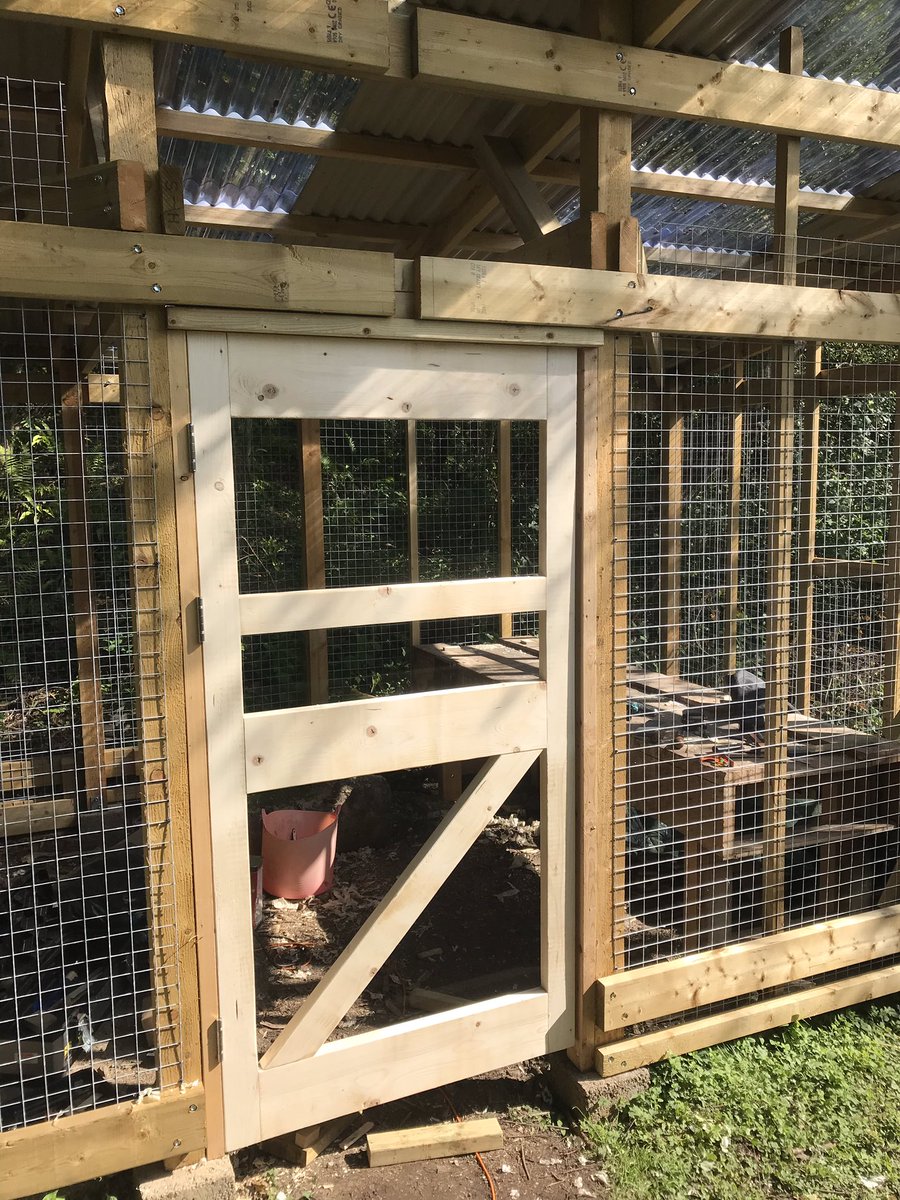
(556, 297)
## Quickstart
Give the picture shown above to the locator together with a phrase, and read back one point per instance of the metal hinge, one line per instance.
(201, 623)
(192, 450)
(217, 1037)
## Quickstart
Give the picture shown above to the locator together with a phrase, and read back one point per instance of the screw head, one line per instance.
(631, 283)
(620, 57)
(176, 1143)
(136, 249)
(119, 10)
(192, 1108)
(155, 287)
(632, 91)
(619, 313)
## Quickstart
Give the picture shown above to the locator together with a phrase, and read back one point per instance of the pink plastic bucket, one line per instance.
(298, 849)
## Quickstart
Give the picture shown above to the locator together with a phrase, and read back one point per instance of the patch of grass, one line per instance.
(810, 1113)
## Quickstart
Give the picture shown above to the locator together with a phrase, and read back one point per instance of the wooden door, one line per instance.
(303, 1078)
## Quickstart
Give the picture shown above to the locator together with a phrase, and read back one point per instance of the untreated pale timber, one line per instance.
(84, 616)
(525, 205)
(289, 227)
(656, 19)
(434, 1141)
(577, 244)
(196, 739)
(392, 733)
(459, 290)
(664, 988)
(534, 64)
(393, 329)
(129, 107)
(43, 262)
(69, 1150)
(314, 551)
(780, 526)
(395, 915)
(350, 37)
(366, 147)
(80, 46)
(107, 195)
(615, 1058)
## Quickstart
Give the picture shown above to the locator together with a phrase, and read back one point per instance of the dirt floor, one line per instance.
(479, 937)
(542, 1159)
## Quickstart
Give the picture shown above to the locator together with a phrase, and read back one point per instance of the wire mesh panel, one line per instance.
(756, 773)
(32, 152)
(356, 503)
(87, 912)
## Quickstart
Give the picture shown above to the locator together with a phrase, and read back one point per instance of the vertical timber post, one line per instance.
(130, 114)
(601, 627)
(778, 572)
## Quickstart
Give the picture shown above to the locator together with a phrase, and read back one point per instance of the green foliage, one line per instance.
(812, 1113)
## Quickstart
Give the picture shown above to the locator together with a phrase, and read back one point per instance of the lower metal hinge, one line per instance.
(201, 623)
(217, 1038)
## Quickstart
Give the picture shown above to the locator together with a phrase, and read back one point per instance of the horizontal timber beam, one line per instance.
(48, 262)
(459, 290)
(350, 38)
(403, 329)
(618, 1057)
(292, 226)
(537, 65)
(388, 151)
(72, 1149)
(111, 195)
(659, 990)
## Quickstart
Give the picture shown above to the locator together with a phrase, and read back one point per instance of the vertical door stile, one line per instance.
(217, 547)
(557, 642)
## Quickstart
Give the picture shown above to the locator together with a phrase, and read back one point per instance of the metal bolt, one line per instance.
(107, 208)
(192, 1108)
(631, 283)
(619, 313)
(155, 287)
(136, 249)
(176, 1143)
(119, 10)
(632, 91)
(98, 179)
(620, 57)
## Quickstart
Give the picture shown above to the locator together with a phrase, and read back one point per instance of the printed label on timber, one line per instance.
(335, 30)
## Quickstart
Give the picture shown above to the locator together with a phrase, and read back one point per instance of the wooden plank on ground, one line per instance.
(52, 262)
(434, 1141)
(518, 293)
(72, 1149)
(677, 985)
(394, 916)
(351, 37)
(539, 65)
(617, 1057)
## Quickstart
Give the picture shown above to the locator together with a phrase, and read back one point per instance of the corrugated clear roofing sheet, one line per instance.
(853, 40)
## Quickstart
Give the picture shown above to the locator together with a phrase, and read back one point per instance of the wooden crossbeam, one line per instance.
(350, 38)
(44, 262)
(656, 19)
(453, 289)
(536, 65)
(518, 193)
(295, 227)
(388, 151)
(392, 919)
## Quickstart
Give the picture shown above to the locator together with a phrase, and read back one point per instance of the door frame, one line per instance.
(257, 375)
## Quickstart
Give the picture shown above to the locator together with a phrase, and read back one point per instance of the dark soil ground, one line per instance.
(541, 1158)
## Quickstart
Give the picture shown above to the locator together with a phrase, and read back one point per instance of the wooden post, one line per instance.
(807, 505)
(131, 133)
(314, 550)
(778, 571)
(90, 700)
(504, 514)
(602, 623)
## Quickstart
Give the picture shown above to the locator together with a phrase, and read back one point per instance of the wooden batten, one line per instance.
(350, 38)
(534, 64)
(619, 301)
(49, 262)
